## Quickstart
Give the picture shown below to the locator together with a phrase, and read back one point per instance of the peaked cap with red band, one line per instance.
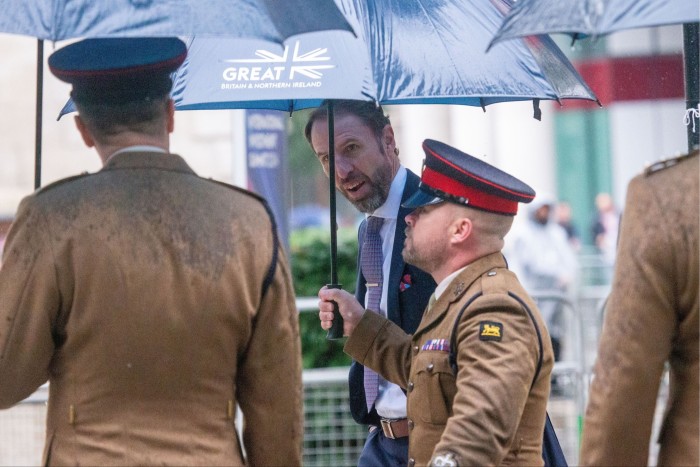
(452, 175)
(118, 70)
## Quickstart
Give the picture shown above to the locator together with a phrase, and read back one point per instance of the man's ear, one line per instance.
(388, 138)
(462, 229)
(84, 132)
(171, 115)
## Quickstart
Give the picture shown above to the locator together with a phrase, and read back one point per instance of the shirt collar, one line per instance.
(390, 208)
(139, 148)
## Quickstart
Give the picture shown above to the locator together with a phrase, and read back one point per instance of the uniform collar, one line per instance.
(147, 159)
(457, 287)
(466, 277)
(442, 286)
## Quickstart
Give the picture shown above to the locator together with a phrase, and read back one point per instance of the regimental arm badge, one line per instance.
(490, 331)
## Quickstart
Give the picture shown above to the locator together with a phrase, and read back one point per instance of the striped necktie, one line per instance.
(371, 264)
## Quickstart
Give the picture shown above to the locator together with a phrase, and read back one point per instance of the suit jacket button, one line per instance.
(410, 386)
(411, 462)
(410, 424)
(415, 348)
(430, 367)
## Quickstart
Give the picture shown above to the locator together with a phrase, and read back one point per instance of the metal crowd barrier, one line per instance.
(331, 437)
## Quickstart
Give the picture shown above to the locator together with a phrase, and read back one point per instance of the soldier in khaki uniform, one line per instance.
(651, 321)
(487, 404)
(152, 300)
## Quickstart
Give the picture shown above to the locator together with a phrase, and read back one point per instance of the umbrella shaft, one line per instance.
(39, 111)
(331, 178)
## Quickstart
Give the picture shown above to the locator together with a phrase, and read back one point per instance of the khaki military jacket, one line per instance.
(137, 292)
(490, 412)
(651, 319)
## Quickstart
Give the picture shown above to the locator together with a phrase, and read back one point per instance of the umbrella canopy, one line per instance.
(593, 17)
(428, 52)
(273, 20)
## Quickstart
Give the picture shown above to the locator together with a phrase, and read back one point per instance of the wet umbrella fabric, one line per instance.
(601, 17)
(435, 54)
(273, 20)
(592, 17)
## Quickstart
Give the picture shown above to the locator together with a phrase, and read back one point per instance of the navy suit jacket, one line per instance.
(404, 308)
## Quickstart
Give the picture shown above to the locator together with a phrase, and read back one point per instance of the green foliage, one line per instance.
(302, 159)
(310, 258)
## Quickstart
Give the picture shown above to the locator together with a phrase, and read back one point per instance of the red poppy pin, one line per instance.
(405, 282)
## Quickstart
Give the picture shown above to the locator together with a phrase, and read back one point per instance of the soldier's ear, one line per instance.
(84, 132)
(461, 229)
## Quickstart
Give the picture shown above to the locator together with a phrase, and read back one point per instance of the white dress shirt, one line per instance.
(391, 402)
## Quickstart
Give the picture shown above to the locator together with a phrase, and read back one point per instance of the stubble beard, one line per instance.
(428, 258)
(380, 184)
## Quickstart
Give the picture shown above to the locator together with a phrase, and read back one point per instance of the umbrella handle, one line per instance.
(336, 329)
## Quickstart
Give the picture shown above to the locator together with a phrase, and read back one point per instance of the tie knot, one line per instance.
(374, 224)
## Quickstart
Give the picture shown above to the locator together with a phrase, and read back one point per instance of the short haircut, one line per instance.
(369, 112)
(146, 116)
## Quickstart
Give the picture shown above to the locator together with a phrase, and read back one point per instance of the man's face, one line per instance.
(426, 236)
(364, 164)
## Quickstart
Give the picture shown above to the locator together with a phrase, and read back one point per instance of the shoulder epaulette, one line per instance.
(239, 189)
(45, 188)
(666, 163)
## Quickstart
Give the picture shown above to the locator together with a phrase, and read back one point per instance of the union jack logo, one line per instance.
(318, 54)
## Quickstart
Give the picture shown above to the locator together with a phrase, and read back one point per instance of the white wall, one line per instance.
(643, 132)
(506, 136)
(203, 138)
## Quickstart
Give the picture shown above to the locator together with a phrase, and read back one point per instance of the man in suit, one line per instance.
(477, 369)
(153, 301)
(651, 322)
(370, 175)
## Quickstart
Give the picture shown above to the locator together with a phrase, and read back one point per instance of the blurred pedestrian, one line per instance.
(154, 301)
(540, 254)
(605, 227)
(566, 221)
(369, 174)
(477, 369)
(651, 322)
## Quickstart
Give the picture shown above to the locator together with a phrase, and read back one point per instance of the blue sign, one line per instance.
(266, 152)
